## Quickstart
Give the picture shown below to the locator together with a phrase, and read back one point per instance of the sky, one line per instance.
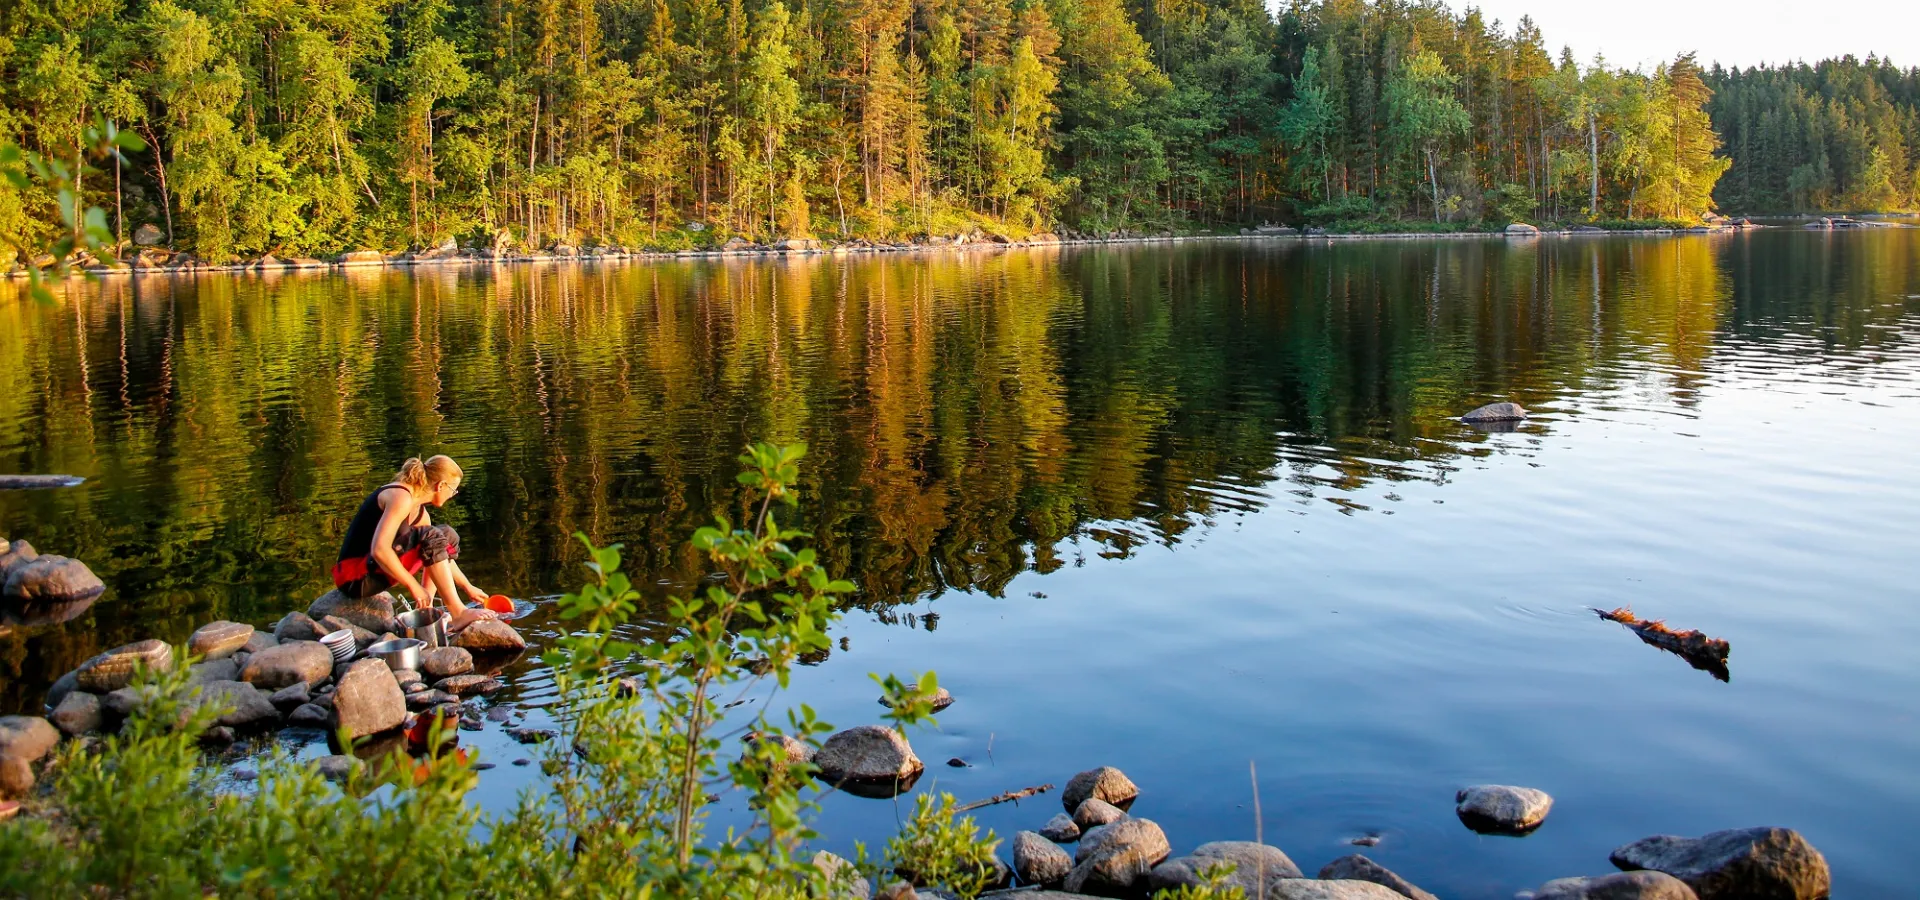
(1734, 32)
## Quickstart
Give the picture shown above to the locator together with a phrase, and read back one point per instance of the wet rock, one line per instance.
(113, 670)
(429, 698)
(442, 662)
(52, 579)
(941, 698)
(26, 738)
(1496, 412)
(240, 704)
(1105, 783)
(290, 662)
(1359, 868)
(367, 700)
(1502, 808)
(291, 697)
(66, 684)
(260, 640)
(219, 640)
(1760, 863)
(1245, 862)
(1061, 829)
(462, 685)
(489, 634)
(1118, 857)
(867, 753)
(1037, 860)
(375, 613)
(337, 767)
(1095, 813)
(847, 882)
(309, 715)
(1617, 886)
(297, 627)
(78, 713)
(217, 670)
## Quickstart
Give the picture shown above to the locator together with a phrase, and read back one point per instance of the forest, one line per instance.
(309, 127)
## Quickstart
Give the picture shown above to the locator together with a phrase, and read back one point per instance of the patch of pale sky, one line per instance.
(1643, 33)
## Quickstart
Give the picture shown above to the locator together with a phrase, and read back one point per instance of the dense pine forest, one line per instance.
(313, 126)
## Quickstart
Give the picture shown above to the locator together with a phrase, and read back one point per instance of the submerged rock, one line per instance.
(52, 579)
(1496, 412)
(1763, 863)
(1502, 808)
(1105, 783)
(1359, 868)
(1248, 863)
(1037, 860)
(113, 670)
(1617, 886)
(867, 753)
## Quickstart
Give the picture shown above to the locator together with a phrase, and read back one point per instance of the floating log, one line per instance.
(36, 482)
(1704, 653)
(1007, 797)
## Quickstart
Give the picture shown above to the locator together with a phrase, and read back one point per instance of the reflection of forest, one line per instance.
(967, 413)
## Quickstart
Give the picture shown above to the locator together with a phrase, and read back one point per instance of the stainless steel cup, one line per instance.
(428, 625)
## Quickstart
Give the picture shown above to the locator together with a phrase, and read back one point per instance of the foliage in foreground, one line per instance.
(630, 780)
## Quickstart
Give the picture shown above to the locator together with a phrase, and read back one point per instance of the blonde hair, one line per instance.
(419, 478)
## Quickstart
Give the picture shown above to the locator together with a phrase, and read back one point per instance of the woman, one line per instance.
(392, 541)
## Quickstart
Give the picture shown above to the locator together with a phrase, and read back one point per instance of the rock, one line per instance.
(1497, 412)
(462, 685)
(736, 244)
(122, 703)
(362, 258)
(26, 738)
(113, 670)
(310, 715)
(18, 553)
(1760, 863)
(1521, 228)
(52, 579)
(867, 753)
(375, 613)
(1037, 860)
(336, 767)
(289, 662)
(297, 627)
(1359, 868)
(1617, 886)
(941, 698)
(1313, 889)
(239, 659)
(64, 685)
(16, 777)
(148, 235)
(441, 662)
(362, 638)
(846, 880)
(291, 697)
(1114, 858)
(1502, 808)
(241, 705)
(219, 640)
(78, 713)
(368, 701)
(217, 670)
(489, 634)
(1095, 813)
(797, 245)
(792, 749)
(1061, 829)
(260, 641)
(407, 677)
(430, 698)
(1247, 862)
(1106, 783)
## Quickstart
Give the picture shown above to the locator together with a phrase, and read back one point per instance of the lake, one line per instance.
(1178, 508)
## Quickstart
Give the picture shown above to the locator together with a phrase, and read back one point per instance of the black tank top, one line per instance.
(359, 540)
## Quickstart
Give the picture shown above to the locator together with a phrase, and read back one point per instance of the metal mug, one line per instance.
(428, 625)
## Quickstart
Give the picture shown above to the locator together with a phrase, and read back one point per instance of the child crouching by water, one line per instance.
(392, 539)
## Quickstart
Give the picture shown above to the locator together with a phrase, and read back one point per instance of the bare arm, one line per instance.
(394, 511)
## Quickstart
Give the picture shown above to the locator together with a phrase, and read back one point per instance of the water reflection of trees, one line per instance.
(970, 415)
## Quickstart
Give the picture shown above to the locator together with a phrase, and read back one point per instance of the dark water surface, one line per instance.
(1171, 508)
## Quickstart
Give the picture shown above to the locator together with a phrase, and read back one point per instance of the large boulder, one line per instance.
(297, 626)
(368, 700)
(1359, 868)
(219, 640)
(1105, 783)
(286, 663)
(1037, 860)
(441, 662)
(113, 670)
(52, 579)
(489, 635)
(1247, 864)
(239, 703)
(1496, 412)
(1502, 808)
(375, 613)
(1617, 886)
(1759, 863)
(1115, 859)
(867, 753)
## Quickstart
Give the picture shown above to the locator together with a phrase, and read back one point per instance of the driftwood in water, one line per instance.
(1704, 653)
(32, 482)
(1007, 797)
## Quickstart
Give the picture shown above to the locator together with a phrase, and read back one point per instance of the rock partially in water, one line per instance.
(14, 555)
(489, 635)
(1037, 860)
(1502, 808)
(462, 685)
(1496, 412)
(1116, 858)
(78, 713)
(1522, 229)
(428, 699)
(848, 883)
(375, 613)
(1105, 783)
(442, 662)
(52, 579)
(287, 663)
(1061, 829)
(1096, 812)
(219, 640)
(336, 767)
(870, 753)
(1246, 862)
(295, 626)
(240, 704)
(1764, 863)
(941, 698)
(291, 697)
(368, 700)
(791, 750)
(309, 715)
(1356, 867)
(113, 670)
(1617, 886)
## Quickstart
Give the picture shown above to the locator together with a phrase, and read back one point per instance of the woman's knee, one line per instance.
(439, 544)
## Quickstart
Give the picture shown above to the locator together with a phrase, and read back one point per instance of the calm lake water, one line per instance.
(1172, 508)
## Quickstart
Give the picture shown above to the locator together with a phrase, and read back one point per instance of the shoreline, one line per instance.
(445, 256)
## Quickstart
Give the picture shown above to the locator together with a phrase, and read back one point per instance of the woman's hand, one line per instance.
(479, 596)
